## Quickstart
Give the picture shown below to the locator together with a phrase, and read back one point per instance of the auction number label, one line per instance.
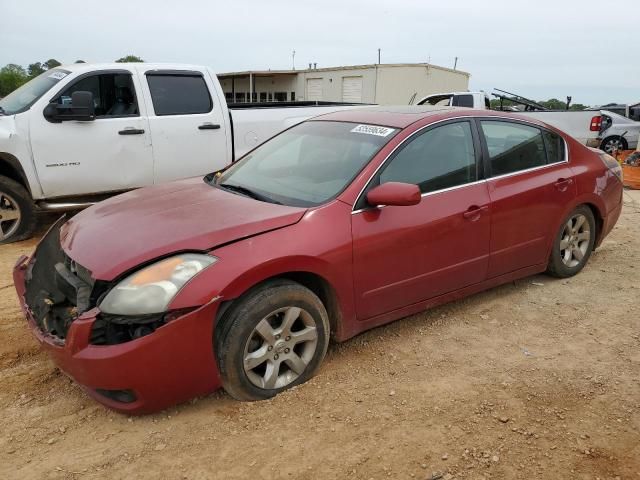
(373, 130)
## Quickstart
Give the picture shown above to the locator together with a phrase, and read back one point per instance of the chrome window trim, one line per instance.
(479, 118)
(426, 194)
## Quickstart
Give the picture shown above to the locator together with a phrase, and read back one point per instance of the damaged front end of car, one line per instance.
(58, 291)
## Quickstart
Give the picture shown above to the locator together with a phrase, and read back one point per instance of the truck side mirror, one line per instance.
(81, 109)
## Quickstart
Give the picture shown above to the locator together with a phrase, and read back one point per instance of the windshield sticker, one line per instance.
(373, 130)
(57, 75)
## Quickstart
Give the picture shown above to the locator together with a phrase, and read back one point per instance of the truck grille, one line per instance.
(58, 290)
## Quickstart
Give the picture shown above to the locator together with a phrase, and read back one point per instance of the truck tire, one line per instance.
(17, 212)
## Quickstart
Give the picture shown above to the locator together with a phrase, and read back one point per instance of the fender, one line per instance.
(246, 263)
(11, 167)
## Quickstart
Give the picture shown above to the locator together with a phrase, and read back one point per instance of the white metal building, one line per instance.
(384, 84)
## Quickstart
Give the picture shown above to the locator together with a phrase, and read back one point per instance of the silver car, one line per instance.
(618, 132)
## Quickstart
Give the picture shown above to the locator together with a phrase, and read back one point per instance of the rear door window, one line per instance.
(463, 101)
(513, 147)
(179, 94)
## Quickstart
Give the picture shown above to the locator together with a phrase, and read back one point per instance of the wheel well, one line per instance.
(10, 167)
(317, 284)
(599, 220)
(624, 140)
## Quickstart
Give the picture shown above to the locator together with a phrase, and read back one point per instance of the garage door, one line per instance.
(314, 89)
(352, 89)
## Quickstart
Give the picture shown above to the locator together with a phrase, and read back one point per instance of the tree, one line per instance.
(35, 69)
(79, 61)
(130, 59)
(578, 106)
(11, 77)
(52, 63)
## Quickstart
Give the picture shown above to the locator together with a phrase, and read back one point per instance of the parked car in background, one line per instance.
(77, 134)
(583, 125)
(618, 132)
(335, 226)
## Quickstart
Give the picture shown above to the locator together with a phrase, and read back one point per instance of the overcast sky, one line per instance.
(539, 49)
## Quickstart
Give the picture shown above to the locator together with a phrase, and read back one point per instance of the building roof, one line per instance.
(331, 69)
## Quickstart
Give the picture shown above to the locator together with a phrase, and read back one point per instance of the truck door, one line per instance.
(187, 124)
(111, 153)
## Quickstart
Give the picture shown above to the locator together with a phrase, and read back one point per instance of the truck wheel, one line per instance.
(17, 215)
(273, 338)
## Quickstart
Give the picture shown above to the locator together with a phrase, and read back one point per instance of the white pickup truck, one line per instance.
(79, 133)
(583, 125)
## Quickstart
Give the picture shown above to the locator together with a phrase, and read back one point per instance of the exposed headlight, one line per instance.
(151, 289)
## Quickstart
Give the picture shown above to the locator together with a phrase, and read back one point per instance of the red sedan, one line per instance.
(335, 226)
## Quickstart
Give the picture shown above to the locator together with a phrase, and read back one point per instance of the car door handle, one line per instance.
(131, 131)
(474, 212)
(563, 183)
(209, 126)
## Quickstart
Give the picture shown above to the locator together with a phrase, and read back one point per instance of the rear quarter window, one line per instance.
(555, 147)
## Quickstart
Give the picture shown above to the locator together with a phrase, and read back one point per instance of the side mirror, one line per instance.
(81, 109)
(394, 193)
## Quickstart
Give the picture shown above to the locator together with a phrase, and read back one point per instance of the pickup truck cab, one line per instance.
(583, 125)
(79, 133)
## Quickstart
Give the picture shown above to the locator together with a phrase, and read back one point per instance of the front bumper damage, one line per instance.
(171, 365)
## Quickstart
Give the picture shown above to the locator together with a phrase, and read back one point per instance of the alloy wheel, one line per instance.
(612, 145)
(575, 240)
(9, 216)
(280, 348)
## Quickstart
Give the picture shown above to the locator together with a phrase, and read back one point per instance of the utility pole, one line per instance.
(379, 56)
(293, 60)
(455, 63)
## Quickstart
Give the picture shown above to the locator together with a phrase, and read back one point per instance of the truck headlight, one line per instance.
(151, 289)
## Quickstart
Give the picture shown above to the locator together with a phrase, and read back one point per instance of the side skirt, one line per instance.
(360, 326)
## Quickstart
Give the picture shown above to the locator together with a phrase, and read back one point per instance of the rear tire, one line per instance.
(17, 213)
(273, 338)
(615, 142)
(573, 244)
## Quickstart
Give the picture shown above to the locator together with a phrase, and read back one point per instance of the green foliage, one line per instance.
(79, 61)
(578, 106)
(35, 69)
(52, 63)
(130, 59)
(11, 77)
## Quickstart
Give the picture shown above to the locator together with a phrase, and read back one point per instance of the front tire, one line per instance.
(273, 338)
(573, 244)
(17, 215)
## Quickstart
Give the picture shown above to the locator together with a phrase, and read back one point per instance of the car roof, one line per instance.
(84, 67)
(403, 116)
(390, 116)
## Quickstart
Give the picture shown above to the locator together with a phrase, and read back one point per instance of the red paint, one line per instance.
(380, 263)
(394, 194)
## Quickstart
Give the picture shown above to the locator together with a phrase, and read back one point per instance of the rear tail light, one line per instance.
(596, 123)
(612, 164)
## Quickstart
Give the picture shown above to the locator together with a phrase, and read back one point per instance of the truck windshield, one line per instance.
(23, 97)
(308, 164)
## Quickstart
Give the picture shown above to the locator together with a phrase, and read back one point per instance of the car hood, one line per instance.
(123, 232)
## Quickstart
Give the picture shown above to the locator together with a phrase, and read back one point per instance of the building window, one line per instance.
(263, 96)
(280, 96)
(239, 97)
(293, 96)
(229, 96)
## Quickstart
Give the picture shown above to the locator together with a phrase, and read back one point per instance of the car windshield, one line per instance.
(23, 97)
(308, 164)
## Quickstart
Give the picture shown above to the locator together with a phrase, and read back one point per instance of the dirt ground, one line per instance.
(539, 378)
